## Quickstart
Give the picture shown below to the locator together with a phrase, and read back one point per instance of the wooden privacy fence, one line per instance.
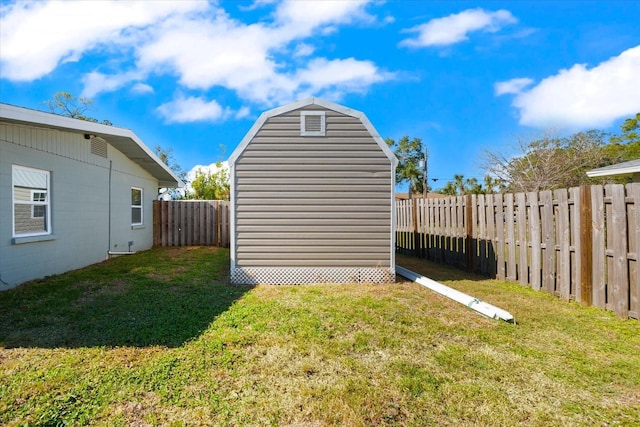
(579, 244)
(191, 222)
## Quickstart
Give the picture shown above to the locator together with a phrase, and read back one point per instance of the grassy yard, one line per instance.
(160, 338)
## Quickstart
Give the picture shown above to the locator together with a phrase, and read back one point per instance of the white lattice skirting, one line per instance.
(308, 275)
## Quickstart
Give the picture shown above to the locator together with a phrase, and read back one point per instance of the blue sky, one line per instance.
(463, 76)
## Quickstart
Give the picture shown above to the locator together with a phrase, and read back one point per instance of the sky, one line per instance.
(464, 76)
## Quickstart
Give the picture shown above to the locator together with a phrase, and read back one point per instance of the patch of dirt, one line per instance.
(91, 293)
(148, 406)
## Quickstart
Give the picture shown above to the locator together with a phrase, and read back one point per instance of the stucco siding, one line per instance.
(79, 203)
(313, 201)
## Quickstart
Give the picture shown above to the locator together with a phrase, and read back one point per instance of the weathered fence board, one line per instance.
(633, 216)
(580, 243)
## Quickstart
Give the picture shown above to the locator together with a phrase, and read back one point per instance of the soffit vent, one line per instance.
(99, 147)
(312, 123)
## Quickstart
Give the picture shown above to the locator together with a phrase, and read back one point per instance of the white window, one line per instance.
(38, 210)
(312, 123)
(31, 202)
(136, 206)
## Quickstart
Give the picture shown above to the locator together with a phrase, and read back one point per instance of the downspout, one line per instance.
(473, 303)
(109, 222)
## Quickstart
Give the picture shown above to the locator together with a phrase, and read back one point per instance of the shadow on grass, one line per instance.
(435, 271)
(161, 297)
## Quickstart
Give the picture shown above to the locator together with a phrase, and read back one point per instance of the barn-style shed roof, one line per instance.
(305, 103)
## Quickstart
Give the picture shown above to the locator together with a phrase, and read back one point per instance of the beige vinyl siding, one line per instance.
(313, 201)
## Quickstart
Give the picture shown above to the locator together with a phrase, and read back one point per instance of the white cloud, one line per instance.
(192, 109)
(301, 18)
(37, 36)
(206, 53)
(96, 82)
(224, 52)
(456, 27)
(582, 97)
(242, 112)
(303, 49)
(513, 86)
(142, 88)
(198, 43)
(348, 74)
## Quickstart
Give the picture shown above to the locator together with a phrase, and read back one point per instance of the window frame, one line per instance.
(31, 202)
(303, 123)
(140, 206)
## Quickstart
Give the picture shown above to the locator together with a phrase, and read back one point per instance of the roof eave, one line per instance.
(123, 139)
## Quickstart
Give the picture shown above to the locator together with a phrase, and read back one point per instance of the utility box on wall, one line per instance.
(312, 198)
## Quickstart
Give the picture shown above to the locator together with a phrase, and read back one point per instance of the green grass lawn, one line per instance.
(160, 338)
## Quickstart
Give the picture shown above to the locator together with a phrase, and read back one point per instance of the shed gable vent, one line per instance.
(99, 147)
(312, 123)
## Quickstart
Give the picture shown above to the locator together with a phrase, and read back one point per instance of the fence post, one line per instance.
(586, 246)
(468, 222)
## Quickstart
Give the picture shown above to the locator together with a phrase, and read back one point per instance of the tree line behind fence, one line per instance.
(579, 244)
(191, 223)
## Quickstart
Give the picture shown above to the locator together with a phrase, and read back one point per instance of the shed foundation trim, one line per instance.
(309, 275)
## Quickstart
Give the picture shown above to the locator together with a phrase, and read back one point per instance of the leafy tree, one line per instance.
(449, 189)
(492, 185)
(166, 156)
(630, 131)
(461, 186)
(472, 186)
(65, 104)
(410, 154)
(549, 162)
(211, 185)
(626, 146)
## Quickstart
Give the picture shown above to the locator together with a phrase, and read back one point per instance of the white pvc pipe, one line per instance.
(471, 302)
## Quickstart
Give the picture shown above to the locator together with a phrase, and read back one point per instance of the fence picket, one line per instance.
(522, 241)
(599, 258)
(618, 280)
(536, 242)
(500, 237)
(563, 283)
(548, 241)
(633, 192)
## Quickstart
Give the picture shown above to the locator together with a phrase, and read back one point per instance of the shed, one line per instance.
(72, 193)
(312, 198)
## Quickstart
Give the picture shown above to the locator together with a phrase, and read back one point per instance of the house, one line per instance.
(312, 198)
(631, 168)
(72, 192)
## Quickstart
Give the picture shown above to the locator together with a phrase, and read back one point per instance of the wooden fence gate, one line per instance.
(191, 223)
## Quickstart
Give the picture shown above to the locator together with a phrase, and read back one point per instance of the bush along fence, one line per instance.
(191, 222)
(579, 244)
